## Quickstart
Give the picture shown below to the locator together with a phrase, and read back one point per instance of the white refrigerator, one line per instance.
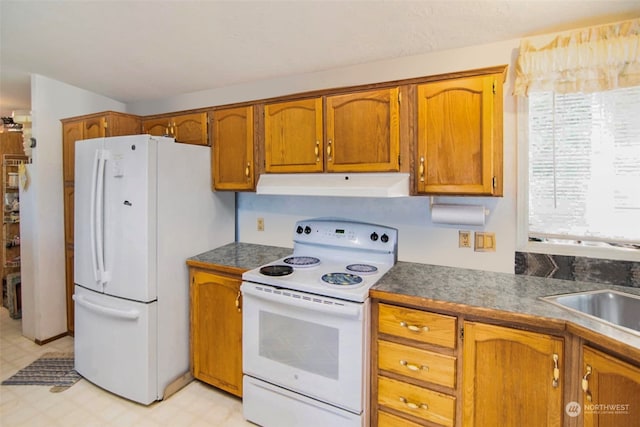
(143, 205)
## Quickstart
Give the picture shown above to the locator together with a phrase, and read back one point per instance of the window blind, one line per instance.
(584, 166)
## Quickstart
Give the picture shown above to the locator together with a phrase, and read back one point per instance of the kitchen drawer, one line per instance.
(417, 401)
(416, 363)
(387, 420)
(417, 325)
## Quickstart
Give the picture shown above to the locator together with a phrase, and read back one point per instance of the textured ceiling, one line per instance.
(142, 50)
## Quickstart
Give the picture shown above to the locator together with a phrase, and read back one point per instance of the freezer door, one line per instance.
(115, 344)
(129, 234)
(87, 165)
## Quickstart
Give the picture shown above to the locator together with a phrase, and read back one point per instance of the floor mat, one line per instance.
(51, 369)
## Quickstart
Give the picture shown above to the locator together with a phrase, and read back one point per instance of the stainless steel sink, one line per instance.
(613, 307)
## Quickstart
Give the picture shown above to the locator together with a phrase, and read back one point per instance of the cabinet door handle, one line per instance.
(585, 383)
(317, 151)
(329, 150)
(238, 306)
(421, 169)
(413, 367)
(413, 405)
(556, 371)
(414, 328)
(247, 170)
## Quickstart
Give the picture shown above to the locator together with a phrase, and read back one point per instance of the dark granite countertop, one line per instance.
(456, 290)
(243, 256)
(479, 292)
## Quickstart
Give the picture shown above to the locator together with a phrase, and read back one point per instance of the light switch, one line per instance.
(485, 242)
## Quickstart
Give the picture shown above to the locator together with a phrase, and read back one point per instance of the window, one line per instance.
(579, 95)
(584, 166)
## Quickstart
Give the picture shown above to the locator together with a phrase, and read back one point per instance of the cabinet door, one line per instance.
(232, 144)
(119, 125)
(156, 127)
(216, 330)
(611, 391)
(71, 132)
(508, 377)
(68, 267)
(68, 192)
(460, 136)
(293, 136)
(363, 132)
(190, 128)
(95, 127)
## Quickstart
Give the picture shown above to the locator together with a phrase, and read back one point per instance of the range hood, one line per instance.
(335, 184)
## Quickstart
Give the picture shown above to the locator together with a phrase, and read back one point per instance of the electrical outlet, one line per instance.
(260, 224)
(485, 242)
(464, 239)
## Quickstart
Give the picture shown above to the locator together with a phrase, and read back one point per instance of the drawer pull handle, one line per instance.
(585, 384)
(414, 328)
(412, 367)
(413, 405)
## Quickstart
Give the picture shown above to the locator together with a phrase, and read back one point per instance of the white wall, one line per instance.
(42, 222)
(419, 240)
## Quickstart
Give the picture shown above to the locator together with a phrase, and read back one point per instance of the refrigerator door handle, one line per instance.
(92, 216)
(108, 311)
(103, 274)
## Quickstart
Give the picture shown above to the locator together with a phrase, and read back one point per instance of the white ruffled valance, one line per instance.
(588, 60)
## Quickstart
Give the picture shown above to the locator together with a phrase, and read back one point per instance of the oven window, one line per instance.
(304, 345)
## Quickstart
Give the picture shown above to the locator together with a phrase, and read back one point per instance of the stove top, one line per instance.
(333, 258)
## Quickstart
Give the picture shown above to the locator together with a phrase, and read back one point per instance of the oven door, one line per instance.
(309, 344)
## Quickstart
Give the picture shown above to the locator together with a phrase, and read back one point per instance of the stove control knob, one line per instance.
(374, 236)
(307, 230)
(384, 238)
(299, 230)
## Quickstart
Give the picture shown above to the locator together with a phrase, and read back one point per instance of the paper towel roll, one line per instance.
(458, 214)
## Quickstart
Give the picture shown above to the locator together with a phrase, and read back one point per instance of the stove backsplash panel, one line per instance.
(605, 271)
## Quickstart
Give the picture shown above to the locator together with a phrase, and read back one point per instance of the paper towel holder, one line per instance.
(460, 213)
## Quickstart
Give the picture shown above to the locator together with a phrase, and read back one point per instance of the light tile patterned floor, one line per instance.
(86, 405)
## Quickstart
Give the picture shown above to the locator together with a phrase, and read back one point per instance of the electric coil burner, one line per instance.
(305, 319)
(302, 261)
(276, 270)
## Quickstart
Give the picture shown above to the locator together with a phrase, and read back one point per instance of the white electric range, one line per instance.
(306, 325)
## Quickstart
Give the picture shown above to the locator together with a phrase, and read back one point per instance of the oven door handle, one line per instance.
(311, 302)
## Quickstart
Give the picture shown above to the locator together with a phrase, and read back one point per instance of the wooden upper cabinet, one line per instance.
(232, 144)
(611, 391)
(191, 128)
(95, 127)
(185, 128)
(460, 136)
(363, 131)
(156, 127)
(508, 377)
(293, 136)
(109, 123)
(71, 132)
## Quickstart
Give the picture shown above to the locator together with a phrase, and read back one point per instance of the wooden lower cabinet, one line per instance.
(611, 390)
(216, 329)
(508, 377)
(415, 367)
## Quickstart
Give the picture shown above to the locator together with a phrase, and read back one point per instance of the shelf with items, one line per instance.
(11, 210)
